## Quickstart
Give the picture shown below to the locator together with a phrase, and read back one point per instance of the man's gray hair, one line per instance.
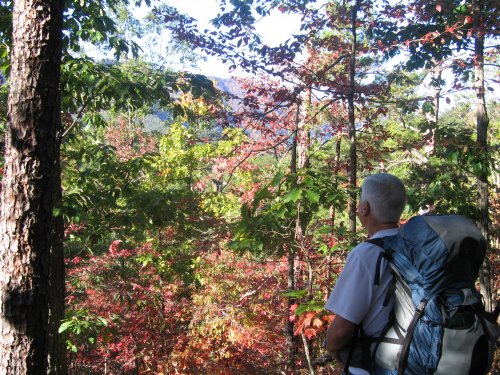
(386, 195)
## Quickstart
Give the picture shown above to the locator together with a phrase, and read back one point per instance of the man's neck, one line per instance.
(378, 227)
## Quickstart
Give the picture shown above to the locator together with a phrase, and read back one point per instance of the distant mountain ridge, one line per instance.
(229, 85)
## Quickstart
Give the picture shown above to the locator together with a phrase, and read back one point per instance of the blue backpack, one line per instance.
(438, 324)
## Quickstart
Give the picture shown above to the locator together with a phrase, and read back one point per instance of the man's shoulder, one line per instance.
(364, 252)
(364, 246)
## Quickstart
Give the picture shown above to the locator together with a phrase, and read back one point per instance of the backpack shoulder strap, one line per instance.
(409, 335)
(379, 241)
(378, 271)
(364, 342)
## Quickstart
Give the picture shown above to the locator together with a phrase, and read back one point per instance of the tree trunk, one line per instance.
(298, 159)
(307, 352)
(303, 133)
(482, 122)
(352, 123)
(290, 340)
(437, 71)
(329, 257)
(31, 254)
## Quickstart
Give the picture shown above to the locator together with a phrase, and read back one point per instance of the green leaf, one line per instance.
(262, 194)
(103, 321)
(323, 248)
(293, 195)
(308, 307)
(65, 325)
(277, 179)
(71, 346)
(281, 212)
(313, 196)
(324, 229)
(295, 293)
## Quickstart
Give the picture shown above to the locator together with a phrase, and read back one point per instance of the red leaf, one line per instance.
(310, 333)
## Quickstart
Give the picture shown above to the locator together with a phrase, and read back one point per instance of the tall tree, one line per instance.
(291, 274)
(31, 256)
(482, 122)
(456, 31)
(352, 119)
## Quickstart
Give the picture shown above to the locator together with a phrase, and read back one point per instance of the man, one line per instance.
(357, 300)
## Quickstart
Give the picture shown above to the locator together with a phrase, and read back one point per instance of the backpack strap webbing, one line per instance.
(365, 348)
(386, 253)
(378, 272)
(409, 335)
(381, 338)
(366, 358)
(351, 351)
(479, 312)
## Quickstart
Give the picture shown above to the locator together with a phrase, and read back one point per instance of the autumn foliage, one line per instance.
(142, 314)
(136, 316)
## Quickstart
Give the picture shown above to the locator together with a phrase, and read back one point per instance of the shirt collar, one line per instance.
(385, 233)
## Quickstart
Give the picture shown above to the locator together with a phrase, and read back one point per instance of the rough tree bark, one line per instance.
(31, 256)
(482, 122)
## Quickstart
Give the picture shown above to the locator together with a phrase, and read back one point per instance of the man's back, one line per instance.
(355, 296)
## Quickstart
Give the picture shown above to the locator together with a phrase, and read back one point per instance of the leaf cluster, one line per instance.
(82, 325)
(133, 85)
(112, 197)
(270, 220)
(432, 31)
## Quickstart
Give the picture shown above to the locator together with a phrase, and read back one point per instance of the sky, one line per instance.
(274, 29)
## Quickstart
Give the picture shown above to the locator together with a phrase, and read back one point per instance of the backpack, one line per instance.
(438, 325)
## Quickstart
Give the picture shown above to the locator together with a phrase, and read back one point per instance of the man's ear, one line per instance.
(364, 208)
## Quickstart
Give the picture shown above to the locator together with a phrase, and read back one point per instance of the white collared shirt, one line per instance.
(355, 296)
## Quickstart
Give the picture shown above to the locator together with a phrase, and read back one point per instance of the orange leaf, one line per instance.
(317, 322)
(310, 333)
(308, 318)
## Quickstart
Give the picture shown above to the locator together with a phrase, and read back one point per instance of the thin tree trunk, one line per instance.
(304, 135)
(482, 122)
(352, 123)
(437, 71)
(310, 283)
(31, 254)
(336, 170)
(290, 341)
(308, 354)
